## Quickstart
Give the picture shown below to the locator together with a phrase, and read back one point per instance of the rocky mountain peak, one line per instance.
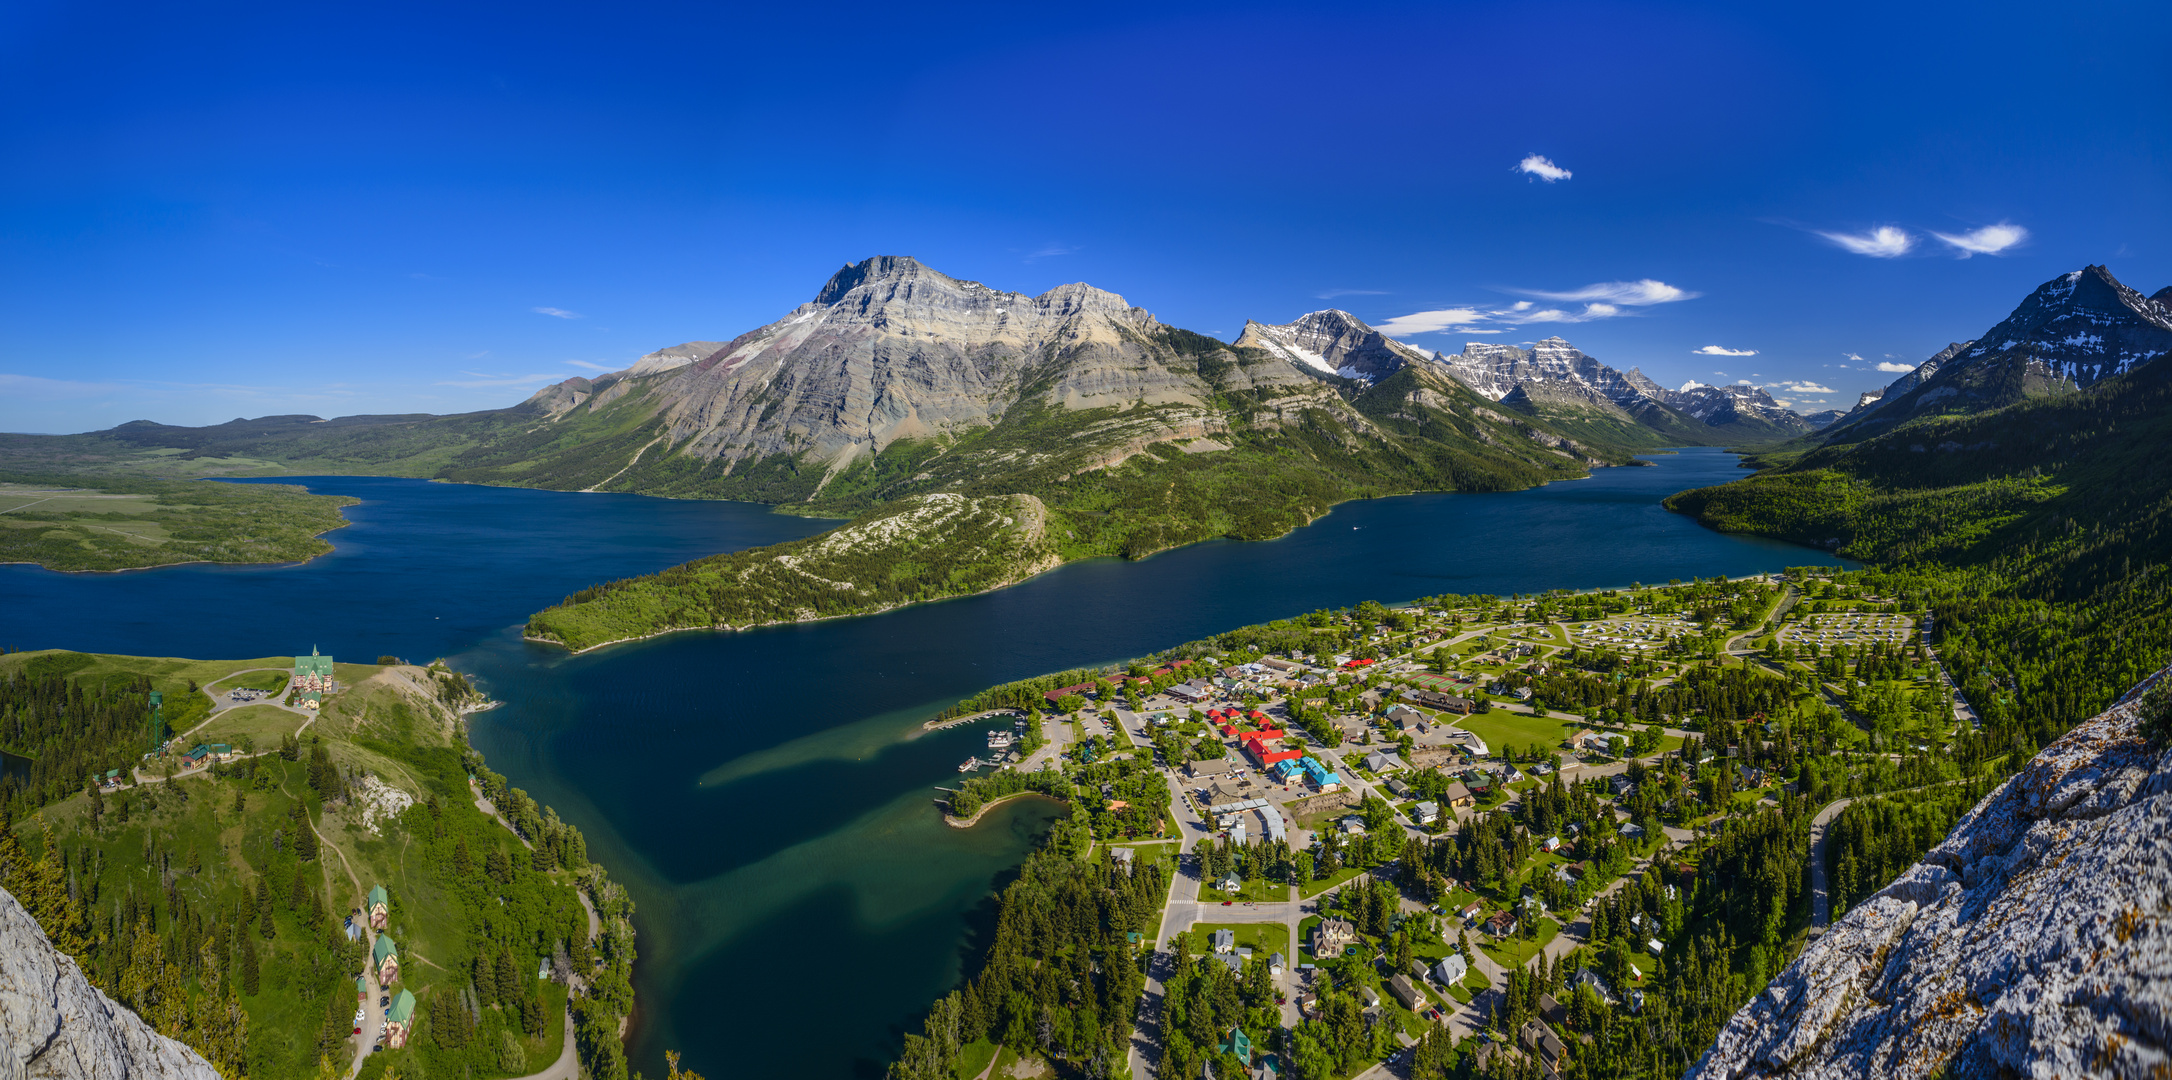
(2082, 326)
(1332, 342)
(881, 268)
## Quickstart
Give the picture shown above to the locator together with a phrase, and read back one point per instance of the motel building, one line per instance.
(387, 960)
(380, 907)
(399, 1020)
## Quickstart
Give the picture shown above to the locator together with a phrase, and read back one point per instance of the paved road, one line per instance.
(1820, 895)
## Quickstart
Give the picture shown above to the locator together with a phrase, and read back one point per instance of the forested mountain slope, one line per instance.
(2031, 942)
(2042, 525)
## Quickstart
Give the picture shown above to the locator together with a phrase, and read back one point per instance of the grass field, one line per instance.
(1162, 854)
(1311, 889)
(270, 681)
(1261, 938)
(1502, 727)
(263, 725)
(973, 1059)
(1515, 951)
(1255, 889)
(75, 523)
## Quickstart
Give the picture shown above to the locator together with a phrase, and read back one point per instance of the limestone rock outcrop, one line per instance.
(2033, 942)
(54, 1025)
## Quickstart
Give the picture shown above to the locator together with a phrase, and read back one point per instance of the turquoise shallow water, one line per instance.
(800, 901)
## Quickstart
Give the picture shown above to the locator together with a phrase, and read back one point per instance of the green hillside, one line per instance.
(2042, 528)
(212, 902)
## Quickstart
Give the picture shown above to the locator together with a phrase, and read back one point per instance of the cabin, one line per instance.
(1502, 924)
(386, 957)
(1459, 796)
(380, 907)
(1426, 813)
(1407, 992)
(400, 1020)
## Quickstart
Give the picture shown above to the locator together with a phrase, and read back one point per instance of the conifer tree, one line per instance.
(248, 965)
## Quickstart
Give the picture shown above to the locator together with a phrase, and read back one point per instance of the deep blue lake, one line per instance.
(800, 902)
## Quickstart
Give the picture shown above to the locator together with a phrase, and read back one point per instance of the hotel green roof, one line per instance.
(378, 895)
(382, 949)
(403, 1007)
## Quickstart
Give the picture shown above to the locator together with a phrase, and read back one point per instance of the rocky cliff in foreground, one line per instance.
(2033, 942)
(54, 1025)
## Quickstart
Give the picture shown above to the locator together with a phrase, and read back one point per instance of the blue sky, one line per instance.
(220, 210)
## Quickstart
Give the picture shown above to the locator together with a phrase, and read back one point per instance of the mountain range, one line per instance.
(897, 380)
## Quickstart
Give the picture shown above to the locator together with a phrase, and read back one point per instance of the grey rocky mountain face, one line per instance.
(1721, 405)
(1333, 343)
(1819, 421)
(2032, 942)
(54, 1025)
(1498, 370)
(890, 349)
(2074, 331)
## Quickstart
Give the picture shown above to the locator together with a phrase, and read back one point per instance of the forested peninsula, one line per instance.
(225, 887)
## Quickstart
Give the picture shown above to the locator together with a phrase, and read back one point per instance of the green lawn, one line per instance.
(1311, 889)
(1162, 854)
(1516, 951)
(1304, 939)
(1501, 727)
(268, 681)
(973, 1059)
(1255, 889)
(1262, 938)
(265, 724)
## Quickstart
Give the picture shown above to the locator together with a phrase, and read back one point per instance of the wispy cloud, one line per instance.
(1426, 322)
(1897, 369)
(1605, 300)
(1333, 293)
(589, 366)
(1883, 242)
(1050, 251)
(477, 379)
(1857, 357)
(1805, 388)
(1641, 293)
(556, 313)
(1540, 167)
(1716, 350)
(1989, 240)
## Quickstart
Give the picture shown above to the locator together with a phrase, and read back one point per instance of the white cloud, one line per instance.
(1426, 322)
(1897, 369)
(1333, 293)
(1049, 250)
(484, 378)
(1535, 165)
(1883, 242)
(1742, 382)
(1715, 350)
(1605, 300)
(1856, 357)
(1640, 293)
(1989, 240)
(589, 366)
(1721, 374)
(556, 313)
(1805, 388)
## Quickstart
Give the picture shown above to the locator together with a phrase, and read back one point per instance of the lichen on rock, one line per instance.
(2032, 942)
